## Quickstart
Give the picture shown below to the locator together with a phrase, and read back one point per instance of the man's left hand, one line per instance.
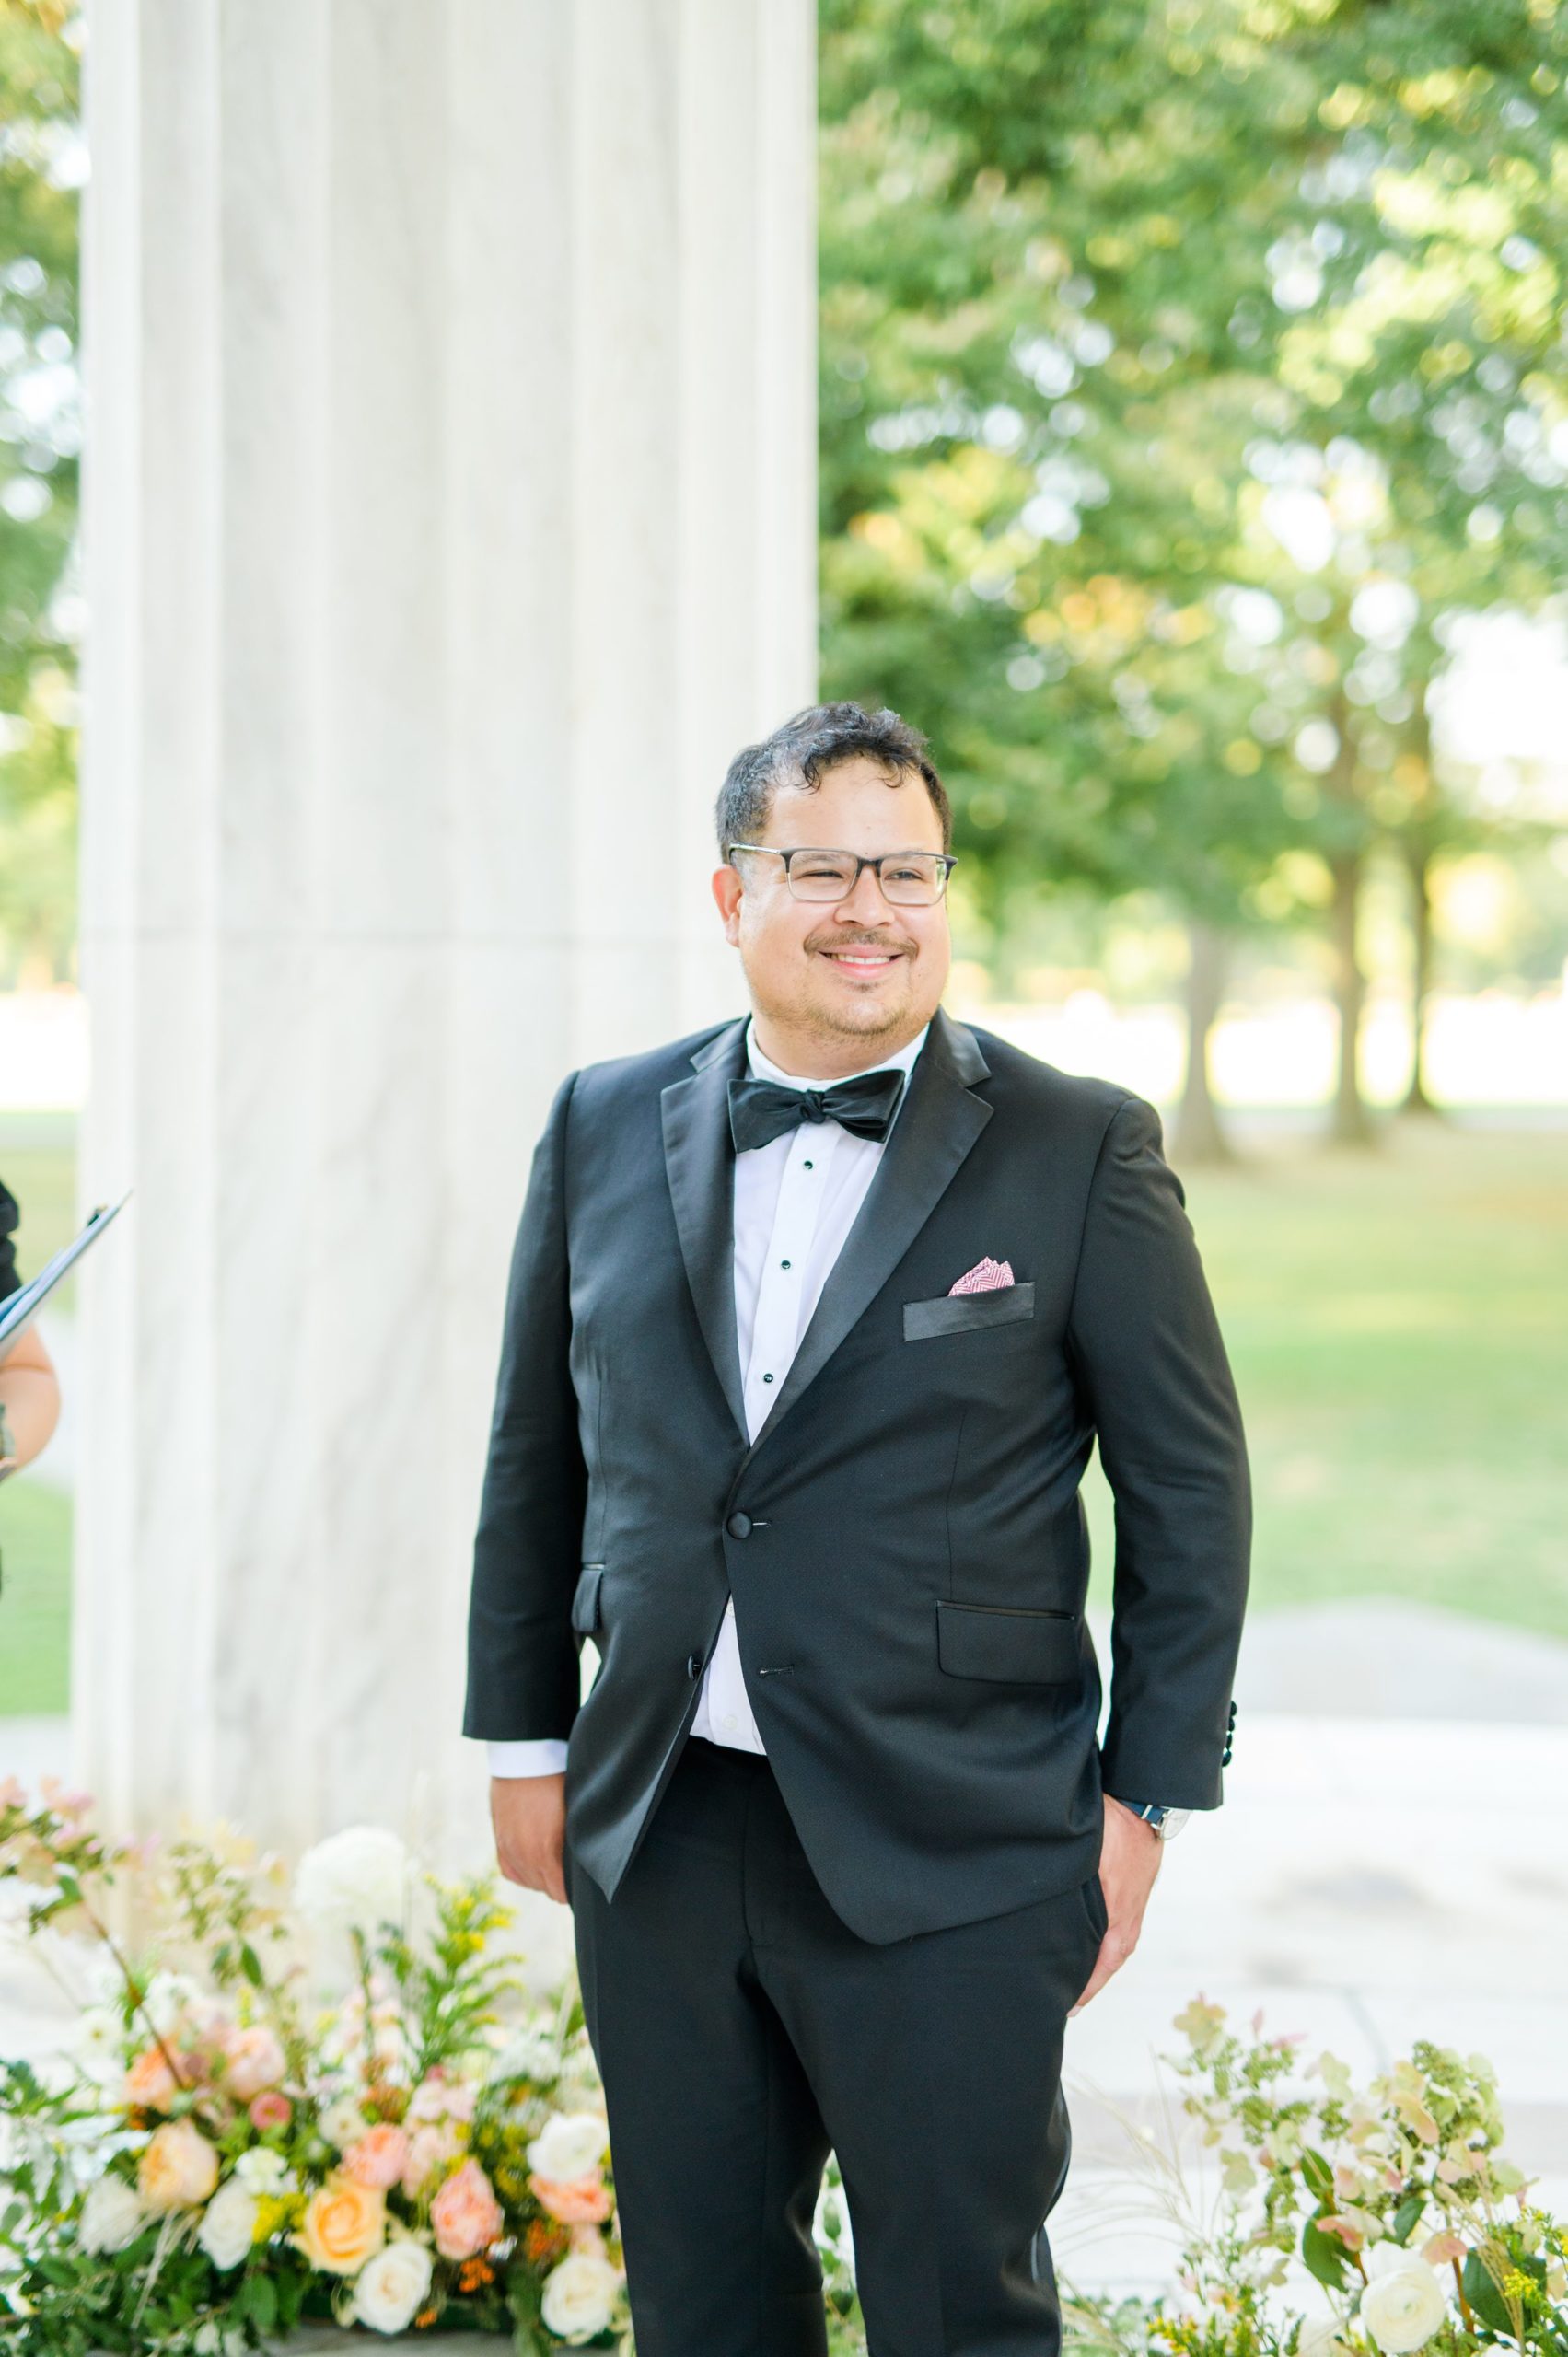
(1130, 1859)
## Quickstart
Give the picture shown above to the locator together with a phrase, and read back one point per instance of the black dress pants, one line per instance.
(742, 2031)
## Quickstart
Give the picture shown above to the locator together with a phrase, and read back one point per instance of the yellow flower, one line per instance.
(343, 2223)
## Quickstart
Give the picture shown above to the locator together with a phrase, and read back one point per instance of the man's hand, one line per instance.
(1130, 1859)
(530, 1816)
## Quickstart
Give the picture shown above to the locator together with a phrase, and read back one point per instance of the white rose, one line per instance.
(1320, 2338)
(579, 2296)
(208, 2341)
(355, 1877)
(261, 2170)
(111, 2215)
(391, 2286)
(1404, 2303)
(228, 2227)
(568, 2147)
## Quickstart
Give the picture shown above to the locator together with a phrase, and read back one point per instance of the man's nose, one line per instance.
(866, 904)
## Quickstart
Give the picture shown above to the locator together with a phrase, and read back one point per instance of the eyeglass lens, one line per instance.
(828, 876)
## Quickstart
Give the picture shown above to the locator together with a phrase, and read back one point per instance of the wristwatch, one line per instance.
(1167, 1822)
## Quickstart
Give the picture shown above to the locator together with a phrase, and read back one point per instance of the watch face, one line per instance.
(1172, 1823)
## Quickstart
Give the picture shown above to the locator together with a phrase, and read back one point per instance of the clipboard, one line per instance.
(19, 1309)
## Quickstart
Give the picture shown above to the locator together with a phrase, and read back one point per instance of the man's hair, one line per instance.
(809, 743)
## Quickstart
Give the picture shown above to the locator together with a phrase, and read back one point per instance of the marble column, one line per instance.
(449, 521)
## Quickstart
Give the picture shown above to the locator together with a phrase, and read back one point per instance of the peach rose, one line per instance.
(344, 2224)
(150, 2081)
(585, 2202)
(377, 2158)
(178, 2168)
(269, 2109)
(465, 2213)
(254, 2061)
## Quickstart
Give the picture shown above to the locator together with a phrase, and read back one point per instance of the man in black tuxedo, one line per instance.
(813, 1321)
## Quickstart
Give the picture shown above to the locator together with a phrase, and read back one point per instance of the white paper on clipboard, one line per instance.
(19, 1309)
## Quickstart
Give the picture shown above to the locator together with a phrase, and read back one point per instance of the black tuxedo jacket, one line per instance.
(904, 1539)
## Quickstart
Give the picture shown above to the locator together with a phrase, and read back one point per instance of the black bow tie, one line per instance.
(760, 1110)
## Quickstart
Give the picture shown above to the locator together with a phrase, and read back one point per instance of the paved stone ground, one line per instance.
(1369, 1880)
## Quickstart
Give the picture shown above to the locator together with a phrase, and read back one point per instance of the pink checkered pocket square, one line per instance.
(986, 1276)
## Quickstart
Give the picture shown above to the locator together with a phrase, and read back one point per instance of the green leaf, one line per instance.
(1407, 2217)
(1326, 2257)
(1485, 2296)
(251, 1964)
(1320, 2176)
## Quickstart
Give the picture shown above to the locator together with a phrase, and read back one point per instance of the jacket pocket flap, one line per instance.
(585, 1602)
(956, 1313)
(1017, 1648)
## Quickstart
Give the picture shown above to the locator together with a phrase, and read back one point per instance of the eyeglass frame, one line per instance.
(798, 850)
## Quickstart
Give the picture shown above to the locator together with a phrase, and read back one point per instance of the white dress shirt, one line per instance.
(795, 1200)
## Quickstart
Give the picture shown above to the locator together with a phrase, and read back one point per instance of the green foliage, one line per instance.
(1187, 369)
(41, 165)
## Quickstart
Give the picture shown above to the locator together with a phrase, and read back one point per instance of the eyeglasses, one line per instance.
(908, 878)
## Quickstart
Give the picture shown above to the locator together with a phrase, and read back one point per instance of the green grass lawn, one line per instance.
(1397, 1322)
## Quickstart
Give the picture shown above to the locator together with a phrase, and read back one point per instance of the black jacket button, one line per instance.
(694, 1665)
(739, 1526)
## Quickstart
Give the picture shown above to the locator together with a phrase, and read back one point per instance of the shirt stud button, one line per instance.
(767, 1378)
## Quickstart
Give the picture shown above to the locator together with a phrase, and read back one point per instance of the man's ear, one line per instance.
(728, 891)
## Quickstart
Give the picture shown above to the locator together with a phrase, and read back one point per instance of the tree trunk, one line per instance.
(1352, 1124)
(1417, 1097)
(1199, 1135)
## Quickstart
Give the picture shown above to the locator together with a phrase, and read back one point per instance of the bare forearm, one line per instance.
(29, 1403)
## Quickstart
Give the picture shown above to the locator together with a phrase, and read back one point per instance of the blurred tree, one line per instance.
(1167, 353)
(42, 165)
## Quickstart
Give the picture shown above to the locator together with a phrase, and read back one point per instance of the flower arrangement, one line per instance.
(220, 2157)
(1396, 2200)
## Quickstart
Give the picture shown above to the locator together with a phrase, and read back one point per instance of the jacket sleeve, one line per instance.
(1152, 1370)
(524, 1681)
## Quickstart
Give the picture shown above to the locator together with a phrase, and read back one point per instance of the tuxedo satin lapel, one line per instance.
(937, 1123)
(700, 1168)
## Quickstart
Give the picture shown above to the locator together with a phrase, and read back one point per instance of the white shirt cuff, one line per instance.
(547, 1756)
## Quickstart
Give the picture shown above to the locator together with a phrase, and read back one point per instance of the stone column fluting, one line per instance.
(449, 520)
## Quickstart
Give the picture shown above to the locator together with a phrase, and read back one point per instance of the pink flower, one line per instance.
(255, 2060)
(465, 2213)
(378, 2157)
(586, 2202)
(13, 1794)
(439, 2097)
(269, 2109)
(430, 2148)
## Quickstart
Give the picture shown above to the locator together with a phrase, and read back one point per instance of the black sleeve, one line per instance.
(524, 1672)
(9, 1215)
(1152, 1365)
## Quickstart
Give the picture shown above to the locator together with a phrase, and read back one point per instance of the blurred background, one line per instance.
(1192, 453)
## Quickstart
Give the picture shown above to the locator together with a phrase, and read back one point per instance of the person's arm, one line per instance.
(1153, 1369)
(524, 1678)
(29, 1401)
